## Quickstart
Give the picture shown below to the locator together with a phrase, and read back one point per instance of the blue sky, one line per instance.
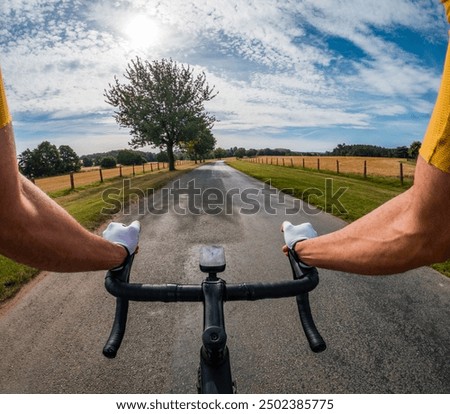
(298, 74)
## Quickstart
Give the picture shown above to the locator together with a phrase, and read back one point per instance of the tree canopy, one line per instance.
(162, 103)
(47, 160)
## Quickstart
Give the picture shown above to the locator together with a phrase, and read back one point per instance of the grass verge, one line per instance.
(85, 204)
(346, 196)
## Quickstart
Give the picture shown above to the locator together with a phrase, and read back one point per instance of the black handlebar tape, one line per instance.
(118, 329)
(154, 293)
(316, 342)
(120, 318)
(194, 293)
(267, 290)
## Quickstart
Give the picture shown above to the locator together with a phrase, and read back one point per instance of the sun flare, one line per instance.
(142, 32)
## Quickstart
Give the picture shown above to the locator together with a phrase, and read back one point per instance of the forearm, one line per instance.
(38, 232)
(35, 230)
(42, 234)
(409, 231)
(374, 244)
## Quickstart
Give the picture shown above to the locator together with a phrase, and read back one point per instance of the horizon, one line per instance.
(298, 75)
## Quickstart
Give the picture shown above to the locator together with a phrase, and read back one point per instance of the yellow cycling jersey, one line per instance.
(436, 143)
(5, 116)
(446, 4)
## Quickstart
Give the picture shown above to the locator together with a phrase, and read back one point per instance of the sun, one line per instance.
(142, 32)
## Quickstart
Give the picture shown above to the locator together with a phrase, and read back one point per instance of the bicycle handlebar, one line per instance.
(117, 284)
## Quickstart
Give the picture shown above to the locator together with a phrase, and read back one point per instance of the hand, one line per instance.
(126, 236)
(294, 234)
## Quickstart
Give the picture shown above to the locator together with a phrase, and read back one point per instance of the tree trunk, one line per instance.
(171, 157)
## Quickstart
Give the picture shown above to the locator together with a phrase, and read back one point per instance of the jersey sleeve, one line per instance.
(5, 116)
(436, 143)
(446, 4)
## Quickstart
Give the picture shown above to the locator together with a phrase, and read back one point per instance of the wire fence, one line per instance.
(96, 174)
(365, 166)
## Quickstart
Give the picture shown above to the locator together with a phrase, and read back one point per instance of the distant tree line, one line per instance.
(252, 152)
(361, 150)
(47, 160)
(342, 150)
(124, 157)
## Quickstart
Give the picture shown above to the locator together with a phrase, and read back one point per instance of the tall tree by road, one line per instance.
(160, 103)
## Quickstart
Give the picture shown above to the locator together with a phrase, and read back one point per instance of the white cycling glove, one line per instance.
(294, 234)
(126, 236)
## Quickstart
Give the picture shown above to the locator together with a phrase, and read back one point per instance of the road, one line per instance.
(384, 334)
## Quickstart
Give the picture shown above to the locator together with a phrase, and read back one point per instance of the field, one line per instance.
(93, 175)
(384, 167)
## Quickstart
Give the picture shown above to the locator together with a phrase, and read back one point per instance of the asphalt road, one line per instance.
(384, 334)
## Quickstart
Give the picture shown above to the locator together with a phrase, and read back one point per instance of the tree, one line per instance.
(87, 162)
(200, 142)
(240, 153)
(401, 152)
(43, 161)
(160, 103)
(69, 160)
(414, 148)
(108, 162)
(220, 153)
(162, 157)
(128, 157)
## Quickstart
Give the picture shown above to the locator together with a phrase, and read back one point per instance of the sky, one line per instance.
(299, 74)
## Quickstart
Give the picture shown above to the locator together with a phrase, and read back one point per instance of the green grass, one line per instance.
(13, 276)
(354, 196)
(359, 195)
(86, 206)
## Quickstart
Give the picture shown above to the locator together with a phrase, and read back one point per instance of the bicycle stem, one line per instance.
(215, 369)
(214, 336)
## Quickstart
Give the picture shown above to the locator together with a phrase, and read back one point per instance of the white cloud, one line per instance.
(270, 60)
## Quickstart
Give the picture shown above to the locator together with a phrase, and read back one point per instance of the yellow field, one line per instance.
(386, 167)
(92, 175)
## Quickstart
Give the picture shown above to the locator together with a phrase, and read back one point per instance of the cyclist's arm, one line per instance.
(409, 231)
(36, 230)
(412, 229)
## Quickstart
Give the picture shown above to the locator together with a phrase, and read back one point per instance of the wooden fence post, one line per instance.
(151, 167)
(337, 166)
(134, 172)
(401, 173)
(101, 174)
(365, 169)
(72, 181)
(292, 163)
(318, 164)
(120, 170)
(303, 162)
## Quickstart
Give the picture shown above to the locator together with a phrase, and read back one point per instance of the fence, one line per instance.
(385, 167)
(96, 174)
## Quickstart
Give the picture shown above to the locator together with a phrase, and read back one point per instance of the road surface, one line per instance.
(384, 334)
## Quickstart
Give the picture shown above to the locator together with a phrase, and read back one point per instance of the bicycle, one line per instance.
(214, 372)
